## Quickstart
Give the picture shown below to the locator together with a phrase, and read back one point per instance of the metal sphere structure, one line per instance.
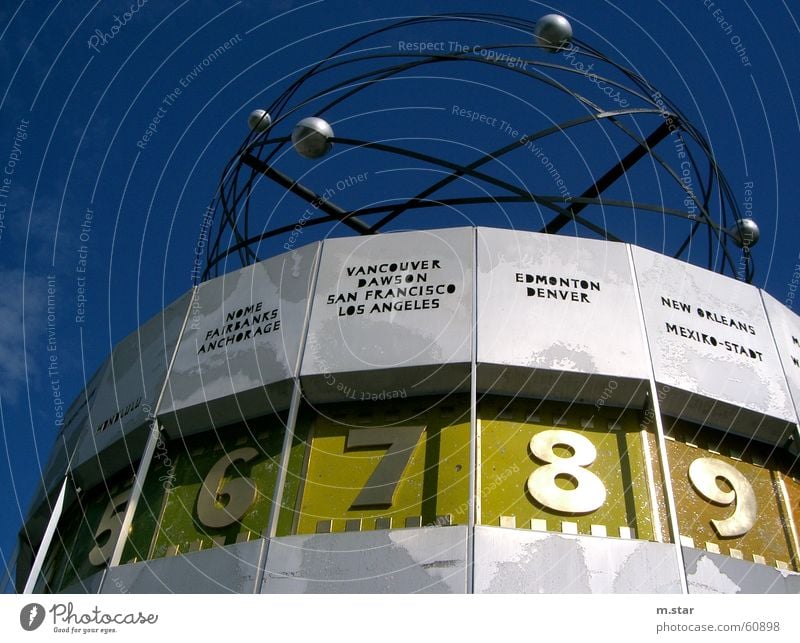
(745, 233)
(259, 121)
(552, 31)
(482, 132)
(311, 137)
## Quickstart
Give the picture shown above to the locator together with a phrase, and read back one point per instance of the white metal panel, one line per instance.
(709, 336)
(392, 301)
(426, 560)
(76, 421)
(559, 304)
(243, 334)
(786, 331)
(521, 561)
(128, 393)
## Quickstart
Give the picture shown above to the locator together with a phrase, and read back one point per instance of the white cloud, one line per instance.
(14, 345)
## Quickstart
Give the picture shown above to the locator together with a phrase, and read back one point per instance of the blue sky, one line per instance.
(89, 188)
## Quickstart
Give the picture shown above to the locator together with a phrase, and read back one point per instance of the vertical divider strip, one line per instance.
(47, 538)
(473, 420)
(660, 439)
(149, 449)
(291, 422)
(795, 403)
(651, 488)
(786, 505)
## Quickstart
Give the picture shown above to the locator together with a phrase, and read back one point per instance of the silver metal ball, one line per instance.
(552, 31)
(259, 120)
(311, 137)
(745, 232)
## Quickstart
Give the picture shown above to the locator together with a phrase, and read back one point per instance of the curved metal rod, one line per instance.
(685, 122)
(524, 196)
(439, 161)
(523, 140)
(235, 217)
(461, 170)
(231, 169)
(459, 201)
(715, 229)
(429, 59)
(479, 17)
(421, 156)
(466, 170)
(615, 203)
(231, 199)
(261, 237)
(425, 59)
(437, 58)
(308, 195)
